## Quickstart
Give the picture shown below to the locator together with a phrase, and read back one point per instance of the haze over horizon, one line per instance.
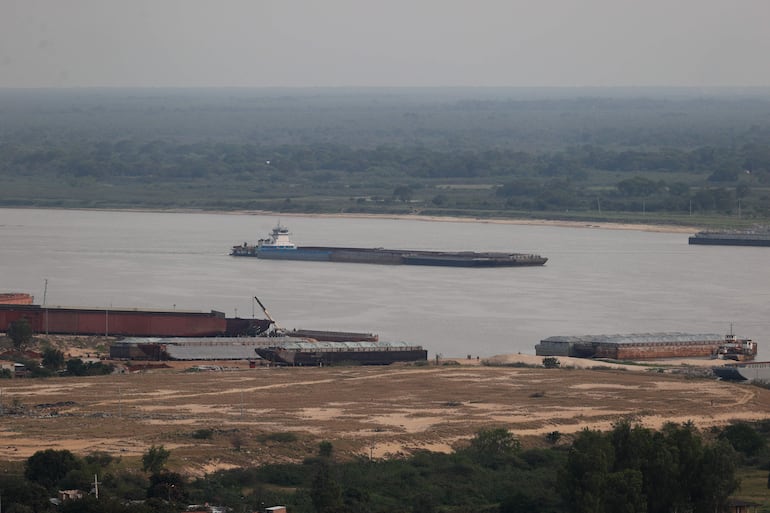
(418, 43)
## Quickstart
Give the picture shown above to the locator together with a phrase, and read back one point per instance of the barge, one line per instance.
(308, 353)
(278, 246)
(645, 346)
(755, 237)
(128, 321)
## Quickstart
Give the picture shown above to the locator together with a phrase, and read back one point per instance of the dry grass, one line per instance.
(361, 410)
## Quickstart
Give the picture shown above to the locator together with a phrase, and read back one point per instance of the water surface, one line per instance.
(597, 281)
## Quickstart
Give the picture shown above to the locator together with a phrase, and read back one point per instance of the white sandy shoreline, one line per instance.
(659, 228)
(448, 219)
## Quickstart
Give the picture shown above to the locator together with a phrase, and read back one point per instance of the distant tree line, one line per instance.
(453, 152)
(577, 179)
(168, 160)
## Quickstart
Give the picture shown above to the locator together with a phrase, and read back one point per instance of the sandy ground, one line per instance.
(533, 222)
(661, 228)
(371, 411)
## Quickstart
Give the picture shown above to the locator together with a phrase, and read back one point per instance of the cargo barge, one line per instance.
(128, 321)
(333, 336)
(306, 353)
(756, 237)
(225, 348)
(278, 246)
(645, 346)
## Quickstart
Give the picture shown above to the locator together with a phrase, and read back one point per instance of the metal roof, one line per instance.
(243, 348)
(309, 346)
(636, 338)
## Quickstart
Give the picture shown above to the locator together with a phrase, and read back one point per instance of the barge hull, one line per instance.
(316, 358)
(394, 256)
(729, 241)
(126, 322)
(638, 346)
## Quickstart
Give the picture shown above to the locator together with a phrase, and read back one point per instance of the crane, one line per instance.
(275, 324)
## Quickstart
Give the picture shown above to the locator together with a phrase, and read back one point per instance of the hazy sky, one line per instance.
(195, 43)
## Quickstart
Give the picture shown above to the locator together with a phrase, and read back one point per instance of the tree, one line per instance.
(586, 475)
(21, 495)
(325, 491)
(76, 367)
(403, 193)
(718, 478)
(50, 466)
(20, 332)
(155, 459)
(168, 486)
(492, 447)
(53, 359)
(518, 502)
(743, 438)
(325, 449)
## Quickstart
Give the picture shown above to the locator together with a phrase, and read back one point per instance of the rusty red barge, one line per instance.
(128, 321)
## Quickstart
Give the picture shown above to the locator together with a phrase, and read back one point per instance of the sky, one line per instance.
(384, 43)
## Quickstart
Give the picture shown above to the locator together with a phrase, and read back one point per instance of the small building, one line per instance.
(17, 370)
(69, 495)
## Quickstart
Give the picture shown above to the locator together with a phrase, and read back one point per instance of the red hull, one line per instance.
(115, 322)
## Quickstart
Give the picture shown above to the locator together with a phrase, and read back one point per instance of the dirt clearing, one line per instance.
(372, 411)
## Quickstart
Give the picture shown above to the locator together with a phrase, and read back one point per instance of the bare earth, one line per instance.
(371, 411)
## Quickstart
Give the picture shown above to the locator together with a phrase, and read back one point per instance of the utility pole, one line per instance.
(45, 294)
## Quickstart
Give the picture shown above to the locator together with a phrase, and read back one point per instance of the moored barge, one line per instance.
(754, 237)
(307, 353)
(646, 346)
(128, 321)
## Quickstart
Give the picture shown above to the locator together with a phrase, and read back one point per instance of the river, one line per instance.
(596, 281)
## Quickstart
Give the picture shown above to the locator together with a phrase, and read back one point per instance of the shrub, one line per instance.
(551, 362)
(203, 434)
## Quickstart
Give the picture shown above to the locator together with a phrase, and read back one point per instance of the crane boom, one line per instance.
(265, 310)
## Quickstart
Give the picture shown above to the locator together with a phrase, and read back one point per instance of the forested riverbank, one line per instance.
(627, 155)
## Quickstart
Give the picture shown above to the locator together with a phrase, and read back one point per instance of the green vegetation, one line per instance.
(154, 460)
(646, 155)
(629, 468)
(20, 332)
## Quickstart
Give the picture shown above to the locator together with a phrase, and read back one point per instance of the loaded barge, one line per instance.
(756, 237)
(278, 246)
(645, 346)
(308, 353)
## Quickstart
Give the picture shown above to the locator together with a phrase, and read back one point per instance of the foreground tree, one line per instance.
(492, 447)
(53, 359)
(49, 467)
(155, 459)
(325, 492)
(636, 470)
(20, 332)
